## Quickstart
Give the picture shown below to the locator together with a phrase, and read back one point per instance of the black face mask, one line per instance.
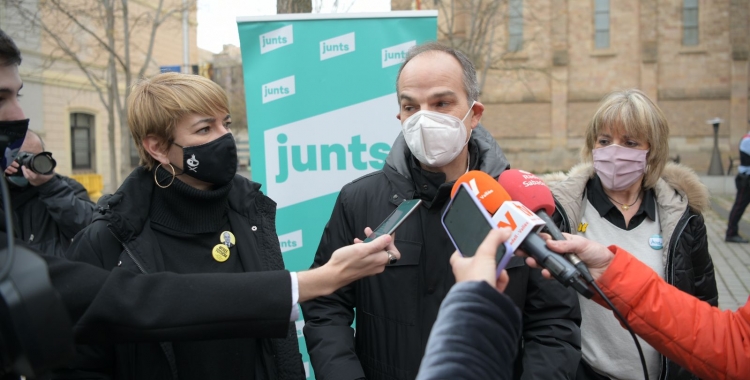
(214, 162)
(12, 134)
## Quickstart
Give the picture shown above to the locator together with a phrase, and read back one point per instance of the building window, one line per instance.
(515, 25)
(690, 22)
(81, 139)
(601, 24)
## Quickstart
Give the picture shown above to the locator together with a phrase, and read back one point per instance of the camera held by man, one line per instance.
(59, 206)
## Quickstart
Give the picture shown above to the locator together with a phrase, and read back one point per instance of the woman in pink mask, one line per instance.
(625, 192)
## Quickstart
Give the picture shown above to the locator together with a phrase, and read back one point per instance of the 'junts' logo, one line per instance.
(278, 89)
(276, 38)
(316, 156)
(396, 54)
(337, 46)
(193, 164)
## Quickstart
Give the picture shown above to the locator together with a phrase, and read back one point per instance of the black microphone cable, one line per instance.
(8, 229)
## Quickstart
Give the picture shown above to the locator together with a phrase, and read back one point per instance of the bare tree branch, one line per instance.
(293, 6)
(75, 19)
(479, 28)
(88, 31)
(152, 38)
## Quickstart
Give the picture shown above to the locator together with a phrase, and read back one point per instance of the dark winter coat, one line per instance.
(680, 198)
(475, 335)
(121, 237)
(396, 309)
(47, 217)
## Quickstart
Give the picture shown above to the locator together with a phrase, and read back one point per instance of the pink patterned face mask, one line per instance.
(619, 167)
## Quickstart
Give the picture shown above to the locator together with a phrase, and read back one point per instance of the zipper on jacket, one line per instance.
(670, 278)
(675, 239)
(130, 254)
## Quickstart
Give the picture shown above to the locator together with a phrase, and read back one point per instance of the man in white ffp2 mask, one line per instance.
(441, 139)
(436, 139)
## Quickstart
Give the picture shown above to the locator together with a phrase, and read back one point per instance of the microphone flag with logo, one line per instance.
(486, 189)
(530, 190)
(505, 212)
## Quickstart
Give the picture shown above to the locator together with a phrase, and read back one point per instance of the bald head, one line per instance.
(32, 143)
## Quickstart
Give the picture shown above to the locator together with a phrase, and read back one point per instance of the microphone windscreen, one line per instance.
(487, 190)
(528, 189)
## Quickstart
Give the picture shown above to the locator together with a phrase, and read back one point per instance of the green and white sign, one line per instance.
(321, 110)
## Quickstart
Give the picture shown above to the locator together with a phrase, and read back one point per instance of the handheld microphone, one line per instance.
(524, 224)
(530, 190)
(485, 188)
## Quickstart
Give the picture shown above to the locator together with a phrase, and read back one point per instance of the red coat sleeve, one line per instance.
(703, 339)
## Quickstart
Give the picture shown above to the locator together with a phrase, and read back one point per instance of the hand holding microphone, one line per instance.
(594, 255)
(524, 224)
(530, 190)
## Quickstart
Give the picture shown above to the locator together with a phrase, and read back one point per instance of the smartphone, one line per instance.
(395, 219)
(468, 223)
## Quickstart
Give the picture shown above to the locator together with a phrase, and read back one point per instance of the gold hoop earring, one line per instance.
(170, 182)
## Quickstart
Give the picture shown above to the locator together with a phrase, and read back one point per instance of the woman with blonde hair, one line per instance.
(625, 192)
(185, 210)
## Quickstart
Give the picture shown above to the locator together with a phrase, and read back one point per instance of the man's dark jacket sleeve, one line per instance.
(67, 203)
(475, 335)
(328, 320)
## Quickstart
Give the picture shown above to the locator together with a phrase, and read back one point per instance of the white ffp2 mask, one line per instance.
(434, 138)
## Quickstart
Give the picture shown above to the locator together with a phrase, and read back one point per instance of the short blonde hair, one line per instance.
(634, 113)
(157, 104)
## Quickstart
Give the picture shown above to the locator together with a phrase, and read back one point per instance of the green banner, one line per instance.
(321, 111)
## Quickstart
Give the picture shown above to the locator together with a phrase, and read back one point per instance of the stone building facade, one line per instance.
(690, 56)
(64, 108)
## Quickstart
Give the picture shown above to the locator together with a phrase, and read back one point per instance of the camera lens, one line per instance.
(42, 163)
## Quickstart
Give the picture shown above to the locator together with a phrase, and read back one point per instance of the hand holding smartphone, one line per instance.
(394, 220)
(468, 223)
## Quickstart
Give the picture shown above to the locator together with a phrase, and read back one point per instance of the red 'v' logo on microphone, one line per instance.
(510, 221)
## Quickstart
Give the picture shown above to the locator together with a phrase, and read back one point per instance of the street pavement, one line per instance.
(731, 260)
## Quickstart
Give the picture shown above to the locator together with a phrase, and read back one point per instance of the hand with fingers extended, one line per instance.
(596, 256)
(348, 264)
(482, 266)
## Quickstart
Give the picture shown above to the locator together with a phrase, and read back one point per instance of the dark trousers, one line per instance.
(742, 181)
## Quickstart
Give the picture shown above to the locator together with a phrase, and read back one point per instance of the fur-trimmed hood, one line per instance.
(679, 177)
(677, 190)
